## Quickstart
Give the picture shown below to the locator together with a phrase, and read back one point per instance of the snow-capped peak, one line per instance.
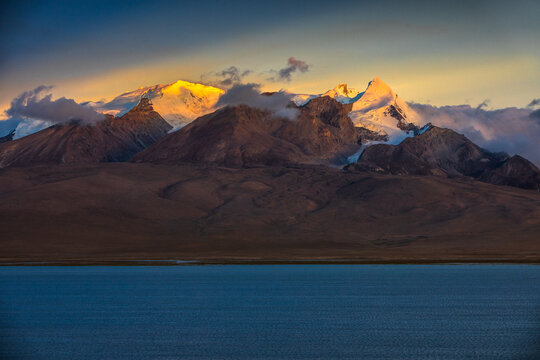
(380, 109)
(377, 94)
(343, 94)
(179, 103)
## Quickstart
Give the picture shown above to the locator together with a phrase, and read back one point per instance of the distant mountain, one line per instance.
(244, 136)
(113, 139)
(375, 130)
(343, 94)
(444, 152)
(378, 109)
(179, 103)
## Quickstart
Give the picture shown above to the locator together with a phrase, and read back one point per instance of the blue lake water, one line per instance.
(270, 312)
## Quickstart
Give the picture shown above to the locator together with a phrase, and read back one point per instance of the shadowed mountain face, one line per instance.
(444, 152)
(515, 171)
(113, 139)
(238, 136)
(233, 136)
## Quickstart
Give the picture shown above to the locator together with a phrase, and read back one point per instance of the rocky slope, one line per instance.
(243, 136)
(440, 151)
(113, 139)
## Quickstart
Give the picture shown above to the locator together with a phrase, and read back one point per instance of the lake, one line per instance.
(270, 312)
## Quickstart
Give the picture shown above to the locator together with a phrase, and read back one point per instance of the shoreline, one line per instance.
(202, 262)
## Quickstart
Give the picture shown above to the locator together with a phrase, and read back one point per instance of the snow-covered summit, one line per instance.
(179, 103)
(377, 94)
(343, 94)
(378, 108)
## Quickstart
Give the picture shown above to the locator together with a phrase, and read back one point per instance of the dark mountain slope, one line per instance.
(239, 136)
(441, 151)
(234, 136)
(113, 139)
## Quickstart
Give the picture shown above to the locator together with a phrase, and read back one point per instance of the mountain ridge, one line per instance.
(444, 152)
(241, 136)
(110, 140)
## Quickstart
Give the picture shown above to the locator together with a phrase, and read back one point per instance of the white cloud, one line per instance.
(511, 130)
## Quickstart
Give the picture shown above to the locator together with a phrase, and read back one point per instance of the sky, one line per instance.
(432, 52)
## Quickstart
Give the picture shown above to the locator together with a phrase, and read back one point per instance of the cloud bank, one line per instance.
(249, 94)
(35, 110)
(511, 130)
(38, 104)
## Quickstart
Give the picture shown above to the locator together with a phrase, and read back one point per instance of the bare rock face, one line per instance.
(323, 129)
(444, 152)
(110, 140)
(516, 171)
(238, 136)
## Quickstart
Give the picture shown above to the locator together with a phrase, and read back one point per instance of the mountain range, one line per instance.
(334, 128)
(352, 174)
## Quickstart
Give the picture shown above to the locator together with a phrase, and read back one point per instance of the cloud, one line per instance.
(226, 77)
(511, 130)
(534, 103)
(483, 104)
(535, 114)
(249, 94)
(37, 104)
(293, 65)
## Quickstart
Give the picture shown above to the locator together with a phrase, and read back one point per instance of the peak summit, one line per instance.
(343, 94)
(144, 105)
(377, 94)
(198, 90)
(377, 87)
(179, 102)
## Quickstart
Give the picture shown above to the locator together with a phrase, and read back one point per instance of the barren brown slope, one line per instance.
(238, 136)
(113, 139)
(233, 136)
(143, 211)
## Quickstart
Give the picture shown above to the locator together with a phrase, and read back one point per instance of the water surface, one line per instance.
(270, 312)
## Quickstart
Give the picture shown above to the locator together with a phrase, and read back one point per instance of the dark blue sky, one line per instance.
(93, 49)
